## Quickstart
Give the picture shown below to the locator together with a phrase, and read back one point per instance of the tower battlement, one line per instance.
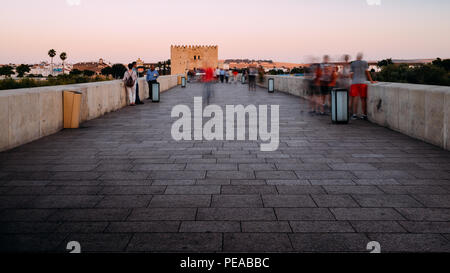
(191, 57)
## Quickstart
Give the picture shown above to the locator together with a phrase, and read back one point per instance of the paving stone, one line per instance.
(82, 227)
(265, 226)
(99, 242)
(31, 243)
(132, 190)
(425, 214)
(125, 183)
(352, 167)
(382, 200)
(25, 215)
(251, 189)
(143, 227)
(352, 190)
(27, 227)
(324, 175)
(180, 201)
(411, 242)
(230, 174)
(413, 189)
(434, 201)
(236, 214)
(287, 201)
(212, 167)
(366, 214)
(321, 226)
(256, 242)
(179, 182)
(175, 242)
(329, 242)
(153, 214)
(284, 182)
(426, 227)
(381, 174)
(275, 175)
(66, 201)
(377, 226)
(334, 201)
(213, 182)
(332, 182)
(246, 182)
(387, 181)
(256, 167)
(122, 175)
(300, 189)
(16, 201)
(303, 166)
(236, 201)
(303, 214)
(159, 175)
(95, 215)
(124, 201)
(210, 226)
(158, 167)
(196, 189)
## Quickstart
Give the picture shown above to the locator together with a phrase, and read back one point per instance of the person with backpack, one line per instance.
(129, 79)
(138, 99)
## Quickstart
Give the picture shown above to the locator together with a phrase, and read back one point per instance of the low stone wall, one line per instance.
(419, 111)
(31, 113)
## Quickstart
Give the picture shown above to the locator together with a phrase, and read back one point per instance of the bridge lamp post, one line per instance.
(339, 105)
(183, 82)
(155, 92)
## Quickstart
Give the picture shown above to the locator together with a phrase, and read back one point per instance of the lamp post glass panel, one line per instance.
(339, 106)
(183, 82)
(271, 85)
(155, 92)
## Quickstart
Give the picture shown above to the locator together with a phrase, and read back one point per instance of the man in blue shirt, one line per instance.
(152, 76)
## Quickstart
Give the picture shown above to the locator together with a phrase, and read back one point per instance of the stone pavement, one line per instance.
(122, 184)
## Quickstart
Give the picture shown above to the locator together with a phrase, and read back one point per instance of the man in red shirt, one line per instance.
(208, 79)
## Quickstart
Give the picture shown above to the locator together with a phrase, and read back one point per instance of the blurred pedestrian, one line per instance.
(208, 79)
(235, 75)
(326, 77)
(360, 75)
(252, 73)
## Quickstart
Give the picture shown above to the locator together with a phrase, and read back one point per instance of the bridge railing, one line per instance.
(419, 111)
(31, 113)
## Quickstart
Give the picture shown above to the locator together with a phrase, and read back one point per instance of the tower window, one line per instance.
(195, 57)
(199, 57)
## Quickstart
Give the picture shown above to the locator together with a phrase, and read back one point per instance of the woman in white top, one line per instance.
(129, 80)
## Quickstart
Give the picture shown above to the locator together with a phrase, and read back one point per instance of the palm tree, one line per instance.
(63, 57)
(52, 53)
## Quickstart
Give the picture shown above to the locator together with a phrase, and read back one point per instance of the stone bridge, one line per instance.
(121, 183)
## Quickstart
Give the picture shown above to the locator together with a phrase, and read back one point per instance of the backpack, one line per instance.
(129, 82)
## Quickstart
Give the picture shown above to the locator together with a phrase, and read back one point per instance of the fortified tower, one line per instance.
(189, 57)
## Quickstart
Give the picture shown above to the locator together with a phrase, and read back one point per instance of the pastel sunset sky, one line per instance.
(282, 30)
